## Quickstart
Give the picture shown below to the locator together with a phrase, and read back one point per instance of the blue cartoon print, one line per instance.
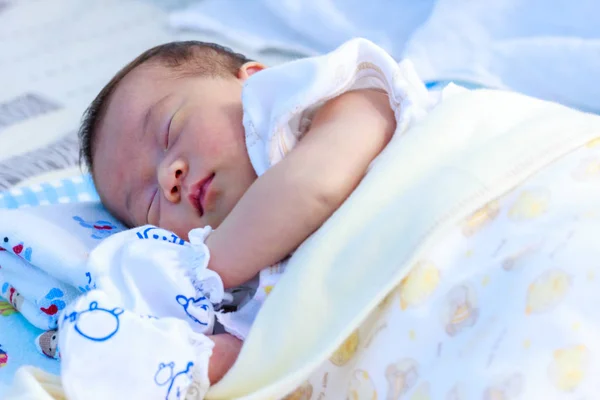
(100, 229)
(18, 249)
(197, 309)
(176, 383)
(89, 285)
(159, 234)
(96, 323)
(13, 296)
(51, 304)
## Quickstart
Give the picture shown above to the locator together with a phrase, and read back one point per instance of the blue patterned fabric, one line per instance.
(71, 190)
(17, 336)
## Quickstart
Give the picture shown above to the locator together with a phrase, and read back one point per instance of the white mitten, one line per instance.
(111, 353)
(151, 271)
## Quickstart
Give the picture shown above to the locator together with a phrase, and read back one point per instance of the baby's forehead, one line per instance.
(142, 79)
(125, 108)
(134, 95)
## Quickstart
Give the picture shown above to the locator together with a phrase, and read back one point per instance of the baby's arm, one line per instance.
(297, 195)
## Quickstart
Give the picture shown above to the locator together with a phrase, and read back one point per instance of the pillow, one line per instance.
(78, 188)
(44, 253)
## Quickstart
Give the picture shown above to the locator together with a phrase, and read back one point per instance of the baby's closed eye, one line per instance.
(168, 132)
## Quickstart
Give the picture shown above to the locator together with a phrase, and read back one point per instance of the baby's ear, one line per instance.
(249, 69)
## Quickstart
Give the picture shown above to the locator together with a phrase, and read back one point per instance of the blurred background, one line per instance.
(55, 55)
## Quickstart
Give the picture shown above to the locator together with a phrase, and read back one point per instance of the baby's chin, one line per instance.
(185, 223)
(182, 232)
(182, 229)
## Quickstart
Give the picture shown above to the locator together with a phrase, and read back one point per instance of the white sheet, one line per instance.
(67, 50)
(307, 27)
(549, 50)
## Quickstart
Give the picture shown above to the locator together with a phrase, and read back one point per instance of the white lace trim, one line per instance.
(204, 280)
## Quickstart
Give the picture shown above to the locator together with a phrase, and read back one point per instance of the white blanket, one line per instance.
(549, 50)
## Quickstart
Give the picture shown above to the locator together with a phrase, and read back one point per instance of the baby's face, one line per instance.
(171, 150)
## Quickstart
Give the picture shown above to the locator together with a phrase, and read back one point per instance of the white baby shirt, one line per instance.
(141, 332)
(280, 102)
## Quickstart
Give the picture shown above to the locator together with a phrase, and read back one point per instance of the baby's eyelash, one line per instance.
(168, 133)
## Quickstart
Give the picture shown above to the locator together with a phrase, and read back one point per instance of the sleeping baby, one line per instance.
(222, 168)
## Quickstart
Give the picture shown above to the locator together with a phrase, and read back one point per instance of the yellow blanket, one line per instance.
(472, 148)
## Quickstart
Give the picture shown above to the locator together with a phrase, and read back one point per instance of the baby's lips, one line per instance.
(198, 193)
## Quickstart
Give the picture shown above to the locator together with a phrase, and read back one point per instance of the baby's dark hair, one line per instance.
(185, 58)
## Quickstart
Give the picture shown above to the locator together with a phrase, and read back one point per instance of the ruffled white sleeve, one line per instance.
(279, 102)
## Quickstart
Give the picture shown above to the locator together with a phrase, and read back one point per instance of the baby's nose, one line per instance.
(171, 178)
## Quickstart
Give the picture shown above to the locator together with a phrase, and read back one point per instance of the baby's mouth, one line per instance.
(198, 193)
